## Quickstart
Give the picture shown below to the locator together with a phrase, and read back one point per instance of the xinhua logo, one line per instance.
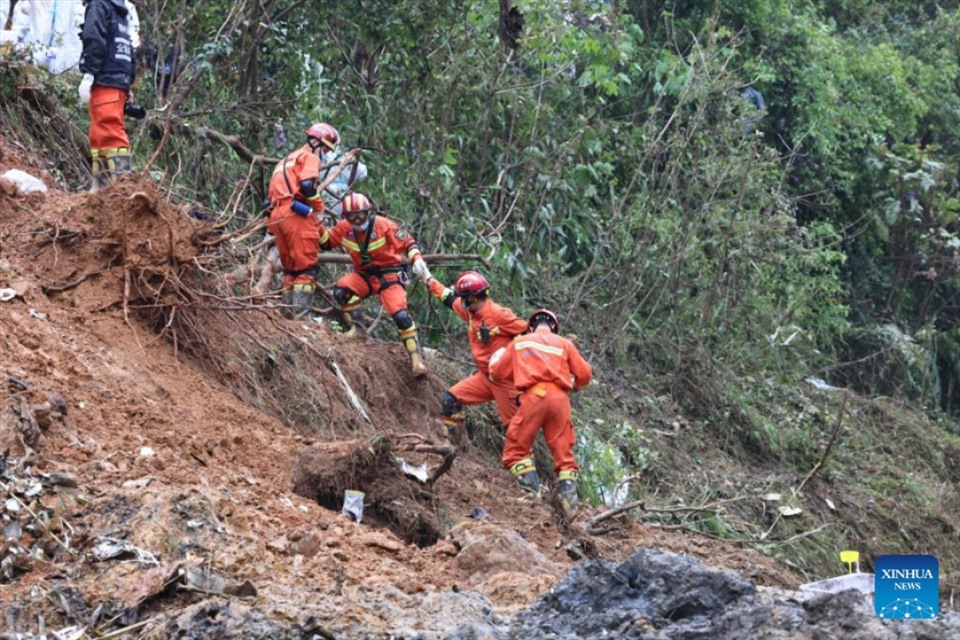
(907, 587)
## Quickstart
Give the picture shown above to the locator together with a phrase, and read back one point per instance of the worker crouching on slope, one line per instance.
(545, 368)
(108, 70)
(293, 221)
(378, 249)
(489, 327)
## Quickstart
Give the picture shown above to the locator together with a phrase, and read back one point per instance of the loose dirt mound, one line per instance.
(189, 420)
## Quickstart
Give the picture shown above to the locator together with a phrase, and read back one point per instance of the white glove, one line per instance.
(85, 86)
(497, 355)
(422, 271)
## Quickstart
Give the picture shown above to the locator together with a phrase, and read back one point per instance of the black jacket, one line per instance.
(107, 50)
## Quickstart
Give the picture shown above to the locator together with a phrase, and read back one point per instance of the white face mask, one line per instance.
(362, 227)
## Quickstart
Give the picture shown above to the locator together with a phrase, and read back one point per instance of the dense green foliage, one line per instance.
(612, 162)
(692, 240)
(708, 253)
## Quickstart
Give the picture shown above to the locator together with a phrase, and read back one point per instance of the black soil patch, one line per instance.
(325, 471)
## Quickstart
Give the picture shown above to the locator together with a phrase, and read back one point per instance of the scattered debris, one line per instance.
(139, 483)
(822, 385)
(23, 183)
(478, 513)
(420, 472)
(353, 504)
(115, 549)
(861, 582)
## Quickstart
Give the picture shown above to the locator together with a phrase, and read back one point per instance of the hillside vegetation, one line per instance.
(769, 291)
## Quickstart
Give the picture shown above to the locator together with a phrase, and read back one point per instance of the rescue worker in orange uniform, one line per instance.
(108, 68)
(545, 368)
(294, 222)
(379, 250)
(489, 327)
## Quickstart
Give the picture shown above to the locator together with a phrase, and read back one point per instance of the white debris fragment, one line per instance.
(24, 182)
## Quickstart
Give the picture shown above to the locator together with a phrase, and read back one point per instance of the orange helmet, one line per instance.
(324, 134)
(544, 315)
(471, 284)
(355, 203)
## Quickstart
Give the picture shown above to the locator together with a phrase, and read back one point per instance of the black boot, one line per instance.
(567, 492)
(526, 475)
(302, 300)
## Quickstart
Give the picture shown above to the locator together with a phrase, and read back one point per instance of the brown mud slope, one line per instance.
(174, 461)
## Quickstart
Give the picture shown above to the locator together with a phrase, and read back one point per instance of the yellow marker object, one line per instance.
(850, 558)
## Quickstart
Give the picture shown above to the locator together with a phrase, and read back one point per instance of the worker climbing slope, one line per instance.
(545, 368)
(489, 327)
(379, 250)
(295, 201)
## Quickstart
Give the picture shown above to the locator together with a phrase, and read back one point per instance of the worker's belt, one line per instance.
(540, 389)
(381, 275)
(309, 271)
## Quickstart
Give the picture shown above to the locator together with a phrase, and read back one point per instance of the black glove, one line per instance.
(135, 111)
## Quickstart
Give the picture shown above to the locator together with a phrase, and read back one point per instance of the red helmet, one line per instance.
(471, 284)
(541, 315)
(355, 203)
(325, 134)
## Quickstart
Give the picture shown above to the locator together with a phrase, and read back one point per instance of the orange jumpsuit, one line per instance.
(384, 245)
(297, 237)
(107, 131)
(545, 368)
(503, 326)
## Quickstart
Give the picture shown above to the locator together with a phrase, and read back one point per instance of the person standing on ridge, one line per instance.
(545, 368)
(293, 222)
(378, 249)
(489, 327)
(108, 68)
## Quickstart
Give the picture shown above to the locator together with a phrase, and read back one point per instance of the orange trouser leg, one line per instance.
(558, 431)
(355, 283)
(106, 118)
(298, 241)
(523, 429)
(478, 389)
(552, 412)
(393, 297)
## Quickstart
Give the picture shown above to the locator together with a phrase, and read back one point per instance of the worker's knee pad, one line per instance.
(342, 295)
(403, 320)
(449, 405)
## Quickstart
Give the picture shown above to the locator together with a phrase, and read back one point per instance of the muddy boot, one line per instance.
(95, 169)
(351, 317)
(122, 162)
(286, 303)
(417, 365)
(455, 428)
(302, 300)
(526, 475)
(108, 166)
(567, 494)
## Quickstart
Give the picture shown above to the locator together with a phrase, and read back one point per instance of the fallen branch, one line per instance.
(816, 467)
(440, 259)
(444, 466)
(83, 277)
(354, 400)
(640, 504)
